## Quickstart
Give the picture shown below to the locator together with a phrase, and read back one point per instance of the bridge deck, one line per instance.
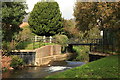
(100, 54)
(84, 44)
(89, 44)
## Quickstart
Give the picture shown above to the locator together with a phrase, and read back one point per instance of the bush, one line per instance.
(82, 53)
(6, 47)
(16, 62)
(62, 40)
(23, 38)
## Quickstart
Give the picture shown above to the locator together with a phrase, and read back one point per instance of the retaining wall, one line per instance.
(46, 54)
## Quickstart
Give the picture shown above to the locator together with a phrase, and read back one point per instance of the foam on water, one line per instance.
(57, 68)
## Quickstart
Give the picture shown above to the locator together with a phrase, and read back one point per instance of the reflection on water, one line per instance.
(40, 72)
(74, 63)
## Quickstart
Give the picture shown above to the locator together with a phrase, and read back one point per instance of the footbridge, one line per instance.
(94, 45)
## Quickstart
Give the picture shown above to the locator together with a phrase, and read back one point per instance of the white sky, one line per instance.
(66, 7)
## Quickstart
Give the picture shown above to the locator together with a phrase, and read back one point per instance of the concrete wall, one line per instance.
(48, 50)
(41, 56)
(46, 53)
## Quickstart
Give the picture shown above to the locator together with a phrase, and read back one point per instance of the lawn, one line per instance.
(37, 45)
(103, 68)
(31, 45)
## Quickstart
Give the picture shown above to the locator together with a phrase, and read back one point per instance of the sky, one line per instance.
(66, 7)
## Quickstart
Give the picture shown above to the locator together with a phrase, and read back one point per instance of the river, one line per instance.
(41, 72)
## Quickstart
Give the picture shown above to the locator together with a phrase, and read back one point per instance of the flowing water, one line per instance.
(41, 72)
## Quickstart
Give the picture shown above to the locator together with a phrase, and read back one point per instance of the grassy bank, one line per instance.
(30, 45)
(36, 45)
(104, 68)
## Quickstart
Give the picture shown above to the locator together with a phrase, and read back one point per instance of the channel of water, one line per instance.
(41, 72)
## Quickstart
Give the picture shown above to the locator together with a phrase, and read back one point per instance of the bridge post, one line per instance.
(33, 40)
(90, 47)
(70, 47)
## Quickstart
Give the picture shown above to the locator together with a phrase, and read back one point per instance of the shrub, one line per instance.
(6, 47)
(62, 40)
(16, 62)
(82, 53)
(23, 38)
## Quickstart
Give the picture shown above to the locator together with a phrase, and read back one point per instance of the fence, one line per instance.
(39, 41)
(44, 39)
(80, 41)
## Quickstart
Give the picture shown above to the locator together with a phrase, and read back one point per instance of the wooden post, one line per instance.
(112, 46)
(39, 44)
(50, 39)
(103, 45)
(33, 43)
(44, 39)
(35, 38)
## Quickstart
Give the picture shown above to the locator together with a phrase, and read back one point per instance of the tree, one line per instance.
(99, 16)
(22, 38)
(12, 15)
(85, 14)
(45, 19)
(70, 29)
(108, 15)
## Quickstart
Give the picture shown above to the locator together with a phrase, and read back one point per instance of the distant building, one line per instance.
(23, 24)
(25, 21)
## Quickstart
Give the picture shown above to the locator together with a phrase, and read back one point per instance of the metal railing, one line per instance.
(82, 41)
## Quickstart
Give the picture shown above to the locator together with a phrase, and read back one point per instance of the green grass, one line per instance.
(29, 45)
(23, 45)
(37, 45)
(103, 68)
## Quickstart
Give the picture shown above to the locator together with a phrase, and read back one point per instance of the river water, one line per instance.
(41, 72)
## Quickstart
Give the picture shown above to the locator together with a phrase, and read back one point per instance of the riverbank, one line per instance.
(103, 68)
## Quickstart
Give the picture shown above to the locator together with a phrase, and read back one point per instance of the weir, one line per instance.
(28, 56)
(41, 56)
